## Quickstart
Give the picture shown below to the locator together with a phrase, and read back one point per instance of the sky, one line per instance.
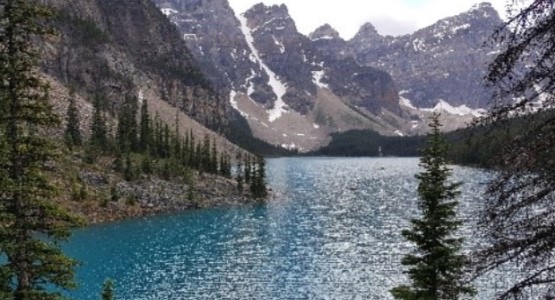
(390, 17)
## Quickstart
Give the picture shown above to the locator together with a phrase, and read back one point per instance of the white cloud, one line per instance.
(394, 17)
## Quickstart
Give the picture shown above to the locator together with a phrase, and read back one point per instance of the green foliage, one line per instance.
(114, 196)
(34, 267)
(98, 142)
(108, 290)
(239, 132)
(72, 134)
(369, 143)
(129, 170)
(127, 132)
(436, 266)
(258, 182)
(145, 129)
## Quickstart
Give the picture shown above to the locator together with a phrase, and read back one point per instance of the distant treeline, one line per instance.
(475, 145)
(370, 143)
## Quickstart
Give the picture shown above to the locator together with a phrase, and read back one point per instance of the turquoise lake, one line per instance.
(332, 231)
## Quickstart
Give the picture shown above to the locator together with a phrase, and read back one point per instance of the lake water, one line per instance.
(332, 232)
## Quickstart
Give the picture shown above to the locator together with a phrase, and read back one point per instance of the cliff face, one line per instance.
(114, 48)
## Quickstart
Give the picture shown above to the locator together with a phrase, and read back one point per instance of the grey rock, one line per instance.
(446, 60)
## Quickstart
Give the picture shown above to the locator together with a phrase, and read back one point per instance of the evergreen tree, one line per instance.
(248, 170)
(519, 215)
(205, 158)
(126, 134)
(99, 131)
(239, 174)
(214, 158)
(128, 172)
(192, 151)
(186, 149)
(146, 165)
(72, 134)
(108, 290)
(199, 158)
(258, 181)
(145, 129)
(436, 266)
(166, 141)
(32, 225)
(157, 138)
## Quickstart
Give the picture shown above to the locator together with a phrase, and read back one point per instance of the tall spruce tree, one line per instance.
(258, 181)
(127, 135)
(145, 128)
(31, 225)
(99, 130)
(240, 177)
(436, 265)
(72, 134)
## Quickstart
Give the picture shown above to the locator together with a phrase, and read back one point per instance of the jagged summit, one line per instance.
(275, 9)
(446, 60)
(367, 29)
(483, 5)
(324, 32)
(367, 34)
(273, 16)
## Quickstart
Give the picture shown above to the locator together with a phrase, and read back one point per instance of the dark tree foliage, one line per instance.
(32, 265)
(248, 169)
(240, 177)
(519, 218)
(99, 130)
(258, 181)
(127, 133)
(436, 265)
(145, 129)
(72, 134)
(108, 290)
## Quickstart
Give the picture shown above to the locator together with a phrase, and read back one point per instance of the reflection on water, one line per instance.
(332, 232)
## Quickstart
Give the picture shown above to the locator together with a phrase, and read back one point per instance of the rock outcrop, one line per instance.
(445, 61)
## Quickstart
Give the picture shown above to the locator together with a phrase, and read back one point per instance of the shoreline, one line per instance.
(151, 196)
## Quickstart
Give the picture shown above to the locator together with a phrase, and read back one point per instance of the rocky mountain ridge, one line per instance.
(291, 93)
(446, 61)
(295, 90)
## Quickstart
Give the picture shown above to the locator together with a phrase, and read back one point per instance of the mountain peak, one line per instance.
(367, 34)
(275, 16)
(482, 5)
(485, 10)
(368, 28)
(324, 32)
(269, 10)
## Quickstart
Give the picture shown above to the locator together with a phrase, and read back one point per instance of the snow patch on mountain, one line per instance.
(317, 79)
(277, 86)
(168, 11)
(235, 105)
(279, 44)
(326, 37)
(462, 110)
(404, 101)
